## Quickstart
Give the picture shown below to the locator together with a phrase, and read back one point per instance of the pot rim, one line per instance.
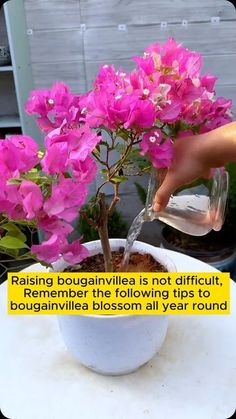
(114, 242)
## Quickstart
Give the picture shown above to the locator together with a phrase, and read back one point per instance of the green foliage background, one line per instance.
(117, 227)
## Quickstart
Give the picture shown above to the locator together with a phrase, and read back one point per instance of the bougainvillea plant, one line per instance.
(136, 114)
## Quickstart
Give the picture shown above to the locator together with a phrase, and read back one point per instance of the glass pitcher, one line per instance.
(194, 209)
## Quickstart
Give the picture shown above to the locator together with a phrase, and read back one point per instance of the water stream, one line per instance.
(189, 214)
(133, 233)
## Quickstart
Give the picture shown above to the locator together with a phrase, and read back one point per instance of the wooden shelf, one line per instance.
(9, 121)
(6, 68)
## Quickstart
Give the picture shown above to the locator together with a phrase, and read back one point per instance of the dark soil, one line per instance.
(138, 263)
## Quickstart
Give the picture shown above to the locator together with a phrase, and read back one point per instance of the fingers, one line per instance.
(163, 194)
(172, 182)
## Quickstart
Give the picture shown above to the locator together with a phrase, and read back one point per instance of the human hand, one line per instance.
(188, 165)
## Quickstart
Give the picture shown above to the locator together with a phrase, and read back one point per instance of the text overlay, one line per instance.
(118, 293)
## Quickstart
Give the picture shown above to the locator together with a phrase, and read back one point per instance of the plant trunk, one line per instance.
(103, 233)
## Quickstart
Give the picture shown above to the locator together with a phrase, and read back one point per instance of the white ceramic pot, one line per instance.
(115, 344)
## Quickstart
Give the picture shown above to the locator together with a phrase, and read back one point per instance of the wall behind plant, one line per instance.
(70, 39)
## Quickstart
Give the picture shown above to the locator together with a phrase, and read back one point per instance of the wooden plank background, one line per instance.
(132, 12)
(62, 49)
(203, 37)
(52, 14)
(72, 72)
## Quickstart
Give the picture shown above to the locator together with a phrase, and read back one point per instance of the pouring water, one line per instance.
(194, 210)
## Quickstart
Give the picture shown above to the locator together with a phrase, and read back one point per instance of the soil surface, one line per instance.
(138, 263)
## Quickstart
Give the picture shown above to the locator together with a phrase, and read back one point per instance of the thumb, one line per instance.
(163, 194)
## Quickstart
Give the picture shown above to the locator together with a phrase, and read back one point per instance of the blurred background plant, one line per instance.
(117, 226)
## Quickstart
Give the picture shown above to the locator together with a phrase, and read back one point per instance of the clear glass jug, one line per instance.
(194, 209)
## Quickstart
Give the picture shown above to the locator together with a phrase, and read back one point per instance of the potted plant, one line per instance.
(136, 116)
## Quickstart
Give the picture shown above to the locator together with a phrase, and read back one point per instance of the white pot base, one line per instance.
(116, 374)
(119, 344)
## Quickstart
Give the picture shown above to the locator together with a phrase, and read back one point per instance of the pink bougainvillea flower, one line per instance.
(196, 112)
(107, 77)
(162, 156)
(119, 109)
(32, 198)
(136, 83)
(28, 151)
(56, 158)
(183, 61)
(172, 58)
(111, 81)
(159, 152)
(142, 114)
(9, 160)
(13, 202)
(66, 198)
(220, 106)
(208, 81)
(95, 106)
(74, 252)
(216, 122)
(7, 207)
(49, 251)
(150, 141)
(53, 106)
(81, 141)
(38, 102)
(53, 225)
(84, 171)
(17, 154)
(22, 200)
(67, 146)
(45, 124)
(55, 247)
(171, 111)
(153, 49)
(145, 63)
(189, 90)
(191, 64)
(62, 97)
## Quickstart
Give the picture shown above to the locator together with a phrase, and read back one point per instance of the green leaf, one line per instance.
(120, 148)
(142, 193)
(140, 161)
(12, 243)
(14, 231)
(96, 151)
(105, 143)
(123, 134)
(103, 171)
(13, 253)
(118, 179)
(14, 181)
(32, 175)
